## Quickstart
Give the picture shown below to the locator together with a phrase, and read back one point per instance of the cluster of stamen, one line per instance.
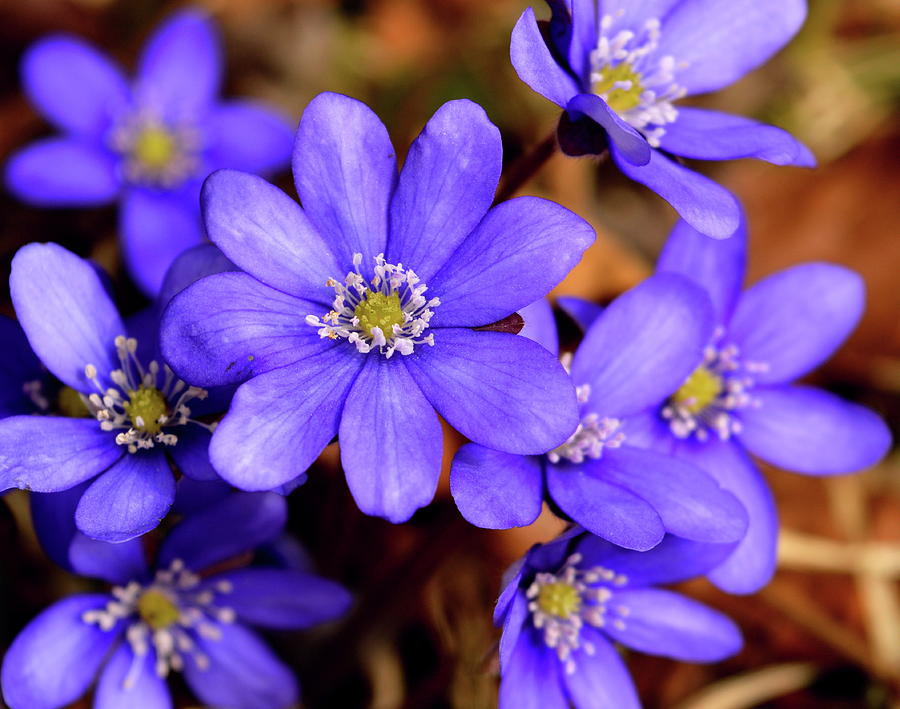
(139, 403)
(155, 152)
(632, 80)
(710, 396)
(388, 312)
(165, 615)
(561, 603)
(592, 436)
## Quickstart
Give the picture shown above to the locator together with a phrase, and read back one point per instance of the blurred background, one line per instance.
(826, 633)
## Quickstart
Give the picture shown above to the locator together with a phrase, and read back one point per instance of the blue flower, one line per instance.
(149, 143)
(24, 382)
(633, 357)
(119, 416)
(617, 68)
(741, 399)
(179, 615)
(570, 600)
(356, 312)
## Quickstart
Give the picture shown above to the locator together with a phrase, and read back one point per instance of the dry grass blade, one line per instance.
(750, 689)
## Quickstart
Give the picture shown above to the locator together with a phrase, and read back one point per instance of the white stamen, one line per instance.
(592, 436)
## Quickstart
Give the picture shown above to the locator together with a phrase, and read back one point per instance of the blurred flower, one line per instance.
(633, 357)
(617, 67)
(179, 615)
(370, 356)
(740, 397)
(570, 600)
(149, 144)
(119, 414)
(24, 382)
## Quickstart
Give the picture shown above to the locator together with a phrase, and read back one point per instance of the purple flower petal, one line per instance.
(156, 228)
(604, 508)
(496, 490)
(144, 688)
(533, 677)
(718, 265)
(181, 66)
(228, 327)
(18, 365)
(280, 421)
(247, 136)
(446, 187)
(49, 453)
(704, 204)
(540, 325)
(795, 319)
(192, 265)
(53, 517)
(191, 453)
(536, 66)
(632, 14)
(584, 36)
(114, 563)
(812, 431)
(502, 391)
(281, 598)
(631, 145)
(236, 524)
(513, 624)
(243, 673)
(720, 42)
(520, 251)
(129, 499)
(267, 234)
(709, 135)
(583, 312)
(62, 172)
(66, 313)
(345, 171)
(671, 625)
(73, 85)
(600, 679)
(644, 345)
(672, 560)
(54, 660)
(751, 565)
(391, 442)
(690, 503)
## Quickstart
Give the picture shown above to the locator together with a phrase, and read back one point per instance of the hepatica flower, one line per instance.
(120, 415)
(24, 382)
(148, 143)
(569, 601)
(632, 357)
(618, 67)
(741, 398)
(189, 613)
(356, 313)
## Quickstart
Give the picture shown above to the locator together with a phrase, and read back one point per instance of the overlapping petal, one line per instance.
(391, 441)
(502, 391)
(519, 252)
(532, 678)
(601, 679)
(247, 136)
(496, 490)
(809, 430)
(630, 144)
(144, 688)
(345, 171)
(540, 325)
(536, 66)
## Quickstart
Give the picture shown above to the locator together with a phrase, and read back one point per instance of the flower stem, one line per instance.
(526, 167)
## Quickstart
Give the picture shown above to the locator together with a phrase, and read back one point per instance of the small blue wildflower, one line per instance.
(178, 615)
(633, 357)
(740, 398)
(568, 601)
(617, 68)
(148, 144)
(369, 356)
(120, 415)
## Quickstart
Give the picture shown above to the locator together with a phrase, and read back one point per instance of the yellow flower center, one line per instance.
(559, 599)
(379, 310)
(619, 100)
(145, 407)
(157, 610)
(154, 148)
(699, 390)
